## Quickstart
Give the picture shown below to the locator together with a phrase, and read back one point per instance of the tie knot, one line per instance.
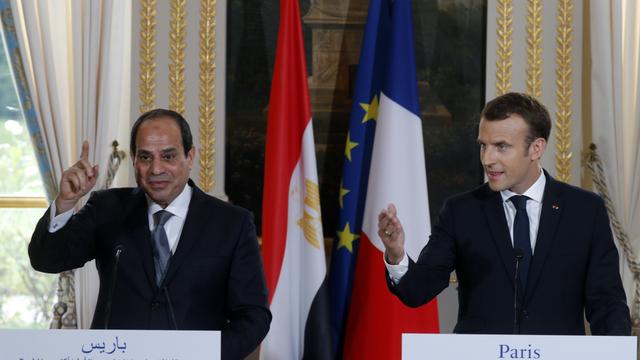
(162, 217)
(519, 201)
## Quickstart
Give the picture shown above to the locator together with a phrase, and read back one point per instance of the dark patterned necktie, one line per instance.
(521, 237)
(161, 253)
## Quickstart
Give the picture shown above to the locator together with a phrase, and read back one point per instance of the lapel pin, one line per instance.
(555, 207)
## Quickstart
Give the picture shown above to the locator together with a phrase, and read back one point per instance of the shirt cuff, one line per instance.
(58, 222)
(396, 272)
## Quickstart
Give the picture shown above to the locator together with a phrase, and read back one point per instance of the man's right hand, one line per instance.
(76, 181)
(392, 235)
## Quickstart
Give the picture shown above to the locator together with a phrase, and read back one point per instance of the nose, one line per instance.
(487, 156)
(156, 166)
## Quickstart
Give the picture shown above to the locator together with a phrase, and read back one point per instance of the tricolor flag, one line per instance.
(386, 168)
(292, 240)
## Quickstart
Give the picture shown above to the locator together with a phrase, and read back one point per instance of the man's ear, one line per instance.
(191, 155)
(537, 148)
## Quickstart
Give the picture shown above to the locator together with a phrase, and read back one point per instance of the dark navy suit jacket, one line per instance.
(574, 270)
(215, 279)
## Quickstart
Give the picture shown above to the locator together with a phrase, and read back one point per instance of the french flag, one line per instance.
(292, 239)
(376, 319)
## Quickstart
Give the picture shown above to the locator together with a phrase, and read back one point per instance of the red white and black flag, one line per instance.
(292, 239)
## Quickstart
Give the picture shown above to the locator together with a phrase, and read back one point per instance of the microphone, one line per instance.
(519, 254)
(172, 315)
(119, 249)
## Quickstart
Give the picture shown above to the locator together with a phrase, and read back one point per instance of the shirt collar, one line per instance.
(178, 207)
(535, 192)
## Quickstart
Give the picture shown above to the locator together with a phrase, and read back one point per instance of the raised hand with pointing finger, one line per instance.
(76, 181)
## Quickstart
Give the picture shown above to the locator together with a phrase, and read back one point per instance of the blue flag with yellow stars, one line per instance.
(355, 172)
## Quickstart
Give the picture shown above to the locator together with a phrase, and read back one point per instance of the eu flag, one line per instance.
(355, 172)
(383, 163)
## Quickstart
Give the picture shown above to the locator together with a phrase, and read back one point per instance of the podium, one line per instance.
(109, 344)
(527, 347)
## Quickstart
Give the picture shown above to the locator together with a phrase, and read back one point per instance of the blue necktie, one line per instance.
(521, 237)
(161, 253)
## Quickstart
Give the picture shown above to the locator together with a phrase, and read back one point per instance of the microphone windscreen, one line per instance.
(519, 254)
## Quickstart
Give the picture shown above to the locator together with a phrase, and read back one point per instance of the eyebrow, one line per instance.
(163, 151)
(496, 143)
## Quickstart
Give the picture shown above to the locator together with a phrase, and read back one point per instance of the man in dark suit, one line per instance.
(532, 255)
(186, 260)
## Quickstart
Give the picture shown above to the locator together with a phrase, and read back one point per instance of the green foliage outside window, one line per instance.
(26, 297)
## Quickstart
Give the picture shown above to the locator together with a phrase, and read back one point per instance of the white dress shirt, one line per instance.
(178, 207)
(534, 206)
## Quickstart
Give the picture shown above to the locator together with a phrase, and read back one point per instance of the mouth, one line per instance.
(494, 175)
(158, 185)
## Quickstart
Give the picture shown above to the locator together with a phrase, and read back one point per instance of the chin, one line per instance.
(156, 197)
(496, 187)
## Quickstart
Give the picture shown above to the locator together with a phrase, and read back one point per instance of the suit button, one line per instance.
(525, 313)
(154, 306)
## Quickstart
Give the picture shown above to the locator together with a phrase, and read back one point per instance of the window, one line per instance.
(26, 296)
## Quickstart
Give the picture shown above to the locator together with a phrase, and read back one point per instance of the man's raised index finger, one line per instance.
(84, 155)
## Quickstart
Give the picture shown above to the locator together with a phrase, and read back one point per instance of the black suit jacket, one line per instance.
(574, 267)
(215, 279)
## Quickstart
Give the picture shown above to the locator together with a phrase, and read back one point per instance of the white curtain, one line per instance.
(615, 52)
(77, 59)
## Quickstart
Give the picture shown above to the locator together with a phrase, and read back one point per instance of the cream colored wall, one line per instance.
(549, 85)
(192, 75)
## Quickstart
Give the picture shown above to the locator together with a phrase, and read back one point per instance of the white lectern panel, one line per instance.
(109, 345)
(498, 347)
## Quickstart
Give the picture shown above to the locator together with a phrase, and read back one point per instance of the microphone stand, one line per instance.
(112, 286)
(172, 315)
(519, 255)
(165, 291)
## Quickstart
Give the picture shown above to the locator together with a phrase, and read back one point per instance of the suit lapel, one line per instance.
(191, 233)
(138, 222)
(549, 219)
(494, 213)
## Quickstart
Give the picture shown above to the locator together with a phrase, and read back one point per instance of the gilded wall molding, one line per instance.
(207, 106)
(504, 32)
(177, 46)
(147, 53)
(534, 48)
(24, 202)
(564, 89)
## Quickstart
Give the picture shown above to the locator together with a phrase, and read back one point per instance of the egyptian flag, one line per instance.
(292, 239)
(396, 174)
